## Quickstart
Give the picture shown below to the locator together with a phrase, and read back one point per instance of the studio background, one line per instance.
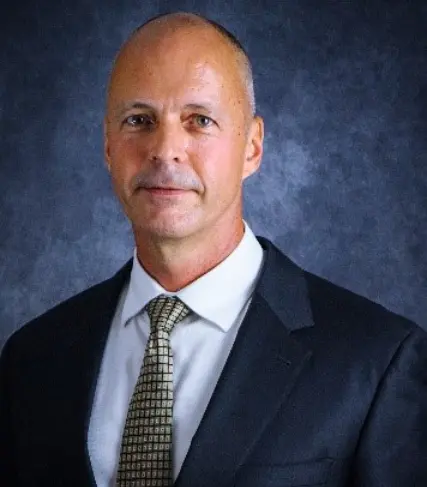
(342, 187)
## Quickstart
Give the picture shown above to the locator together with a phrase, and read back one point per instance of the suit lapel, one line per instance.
(263, 365)
(80, 349)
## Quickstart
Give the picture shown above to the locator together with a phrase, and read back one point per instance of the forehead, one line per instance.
(187, 63)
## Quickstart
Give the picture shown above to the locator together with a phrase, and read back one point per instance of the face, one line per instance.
(177, 116)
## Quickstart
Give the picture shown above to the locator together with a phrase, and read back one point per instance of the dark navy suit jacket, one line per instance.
(322, 388)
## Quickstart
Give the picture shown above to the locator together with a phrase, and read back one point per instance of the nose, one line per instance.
(169, 142)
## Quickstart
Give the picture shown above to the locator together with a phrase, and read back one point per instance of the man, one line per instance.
(209, 359)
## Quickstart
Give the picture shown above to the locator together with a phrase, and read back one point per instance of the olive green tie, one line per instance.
(146, 449)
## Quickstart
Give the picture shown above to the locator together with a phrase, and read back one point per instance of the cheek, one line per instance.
(221, 166)
(126, 158)
(226, 156)
(124, 150)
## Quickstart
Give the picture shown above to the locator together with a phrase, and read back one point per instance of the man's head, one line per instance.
(180, 114)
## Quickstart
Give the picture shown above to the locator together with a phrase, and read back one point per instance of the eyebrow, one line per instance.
(205, 106)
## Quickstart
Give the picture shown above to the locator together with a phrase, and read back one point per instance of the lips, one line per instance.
(165, 191)
(172, 189)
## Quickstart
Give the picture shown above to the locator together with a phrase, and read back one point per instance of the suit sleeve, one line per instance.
(392, 449)
(7, 475)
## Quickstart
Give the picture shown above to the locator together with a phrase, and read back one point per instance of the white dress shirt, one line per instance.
(200, 343)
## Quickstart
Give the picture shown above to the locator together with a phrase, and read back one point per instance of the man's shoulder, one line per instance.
(333, 305)
(75, 308)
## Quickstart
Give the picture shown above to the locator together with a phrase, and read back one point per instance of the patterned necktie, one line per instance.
(146, 451)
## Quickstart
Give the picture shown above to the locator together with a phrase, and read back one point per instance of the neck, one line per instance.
(177, 264)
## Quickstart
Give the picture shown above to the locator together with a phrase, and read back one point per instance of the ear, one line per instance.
(106, 145)
(254, 147)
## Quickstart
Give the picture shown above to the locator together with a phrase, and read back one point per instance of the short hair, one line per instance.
(244, 60)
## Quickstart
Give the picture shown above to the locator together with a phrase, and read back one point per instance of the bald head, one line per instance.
(192, 27)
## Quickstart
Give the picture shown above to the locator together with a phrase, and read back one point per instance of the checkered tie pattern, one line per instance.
(146, 450)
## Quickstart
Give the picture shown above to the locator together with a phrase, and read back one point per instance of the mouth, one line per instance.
(165, 191)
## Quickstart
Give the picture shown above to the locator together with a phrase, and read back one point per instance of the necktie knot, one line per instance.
(165, 312)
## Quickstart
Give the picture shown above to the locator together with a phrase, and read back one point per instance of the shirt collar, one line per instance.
(212, 295)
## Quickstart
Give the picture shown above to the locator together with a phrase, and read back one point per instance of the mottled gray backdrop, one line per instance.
(342, 189)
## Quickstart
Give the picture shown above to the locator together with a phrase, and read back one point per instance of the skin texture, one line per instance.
(169, 64)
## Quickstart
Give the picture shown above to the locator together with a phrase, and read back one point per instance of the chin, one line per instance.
(172, 228)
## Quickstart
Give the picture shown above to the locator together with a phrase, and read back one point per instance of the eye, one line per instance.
(138, 120)
(203, 118)
(135, 120)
